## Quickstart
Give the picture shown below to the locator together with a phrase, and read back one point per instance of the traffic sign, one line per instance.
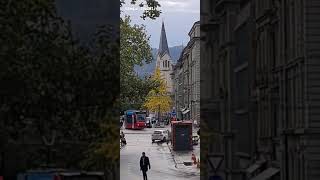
(215, 161)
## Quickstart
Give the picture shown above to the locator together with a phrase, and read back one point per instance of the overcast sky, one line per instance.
(178, 17)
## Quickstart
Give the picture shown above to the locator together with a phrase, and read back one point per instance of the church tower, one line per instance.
(164, 62)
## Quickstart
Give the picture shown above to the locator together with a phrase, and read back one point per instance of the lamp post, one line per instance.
(159, 113)
(191, 110)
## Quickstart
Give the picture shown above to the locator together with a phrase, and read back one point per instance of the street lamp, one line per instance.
(191, 112)
(159, 113)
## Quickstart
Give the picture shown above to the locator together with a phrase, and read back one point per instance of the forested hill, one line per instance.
(147, 69)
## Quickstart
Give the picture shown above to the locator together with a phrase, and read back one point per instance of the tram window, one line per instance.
(129, 119)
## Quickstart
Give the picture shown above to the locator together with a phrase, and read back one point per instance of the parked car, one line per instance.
(159, 124)
(153, 120)
(195, 140)
(148, 122)
(160, 135)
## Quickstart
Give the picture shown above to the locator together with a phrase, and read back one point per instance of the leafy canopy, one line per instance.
(158, 97)
(51, 86)
(135, 50)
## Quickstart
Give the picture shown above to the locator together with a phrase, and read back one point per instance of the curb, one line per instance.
(174, 160)
(173, 157)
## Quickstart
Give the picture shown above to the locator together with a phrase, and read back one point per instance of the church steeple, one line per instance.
(164, 62)
(163, 46)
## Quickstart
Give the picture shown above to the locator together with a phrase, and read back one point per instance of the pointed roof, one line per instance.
(163, 45)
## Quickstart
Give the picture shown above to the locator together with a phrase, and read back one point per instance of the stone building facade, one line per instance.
(260, 87)
(187, 78)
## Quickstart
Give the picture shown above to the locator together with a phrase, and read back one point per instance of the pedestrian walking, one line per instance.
(144, 164)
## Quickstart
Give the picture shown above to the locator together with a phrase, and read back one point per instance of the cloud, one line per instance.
(182, 6)
(185, 6)
(174, 4)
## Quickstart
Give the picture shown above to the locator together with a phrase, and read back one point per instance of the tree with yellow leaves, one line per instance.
(158, 98)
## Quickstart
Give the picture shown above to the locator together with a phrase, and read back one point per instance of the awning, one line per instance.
(186, 111)
(268, 173)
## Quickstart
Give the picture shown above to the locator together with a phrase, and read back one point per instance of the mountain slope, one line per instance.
(148, 69)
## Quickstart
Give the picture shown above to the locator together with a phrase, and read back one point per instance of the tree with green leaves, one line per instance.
(55, 92)
(62, 95)
(135, 50)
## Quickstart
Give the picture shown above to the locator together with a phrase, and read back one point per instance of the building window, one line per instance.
(243, 44)
(242, 89)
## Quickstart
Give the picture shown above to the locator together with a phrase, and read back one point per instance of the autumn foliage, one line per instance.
(158, 97)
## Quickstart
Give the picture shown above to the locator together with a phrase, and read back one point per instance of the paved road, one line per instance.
(162, 164)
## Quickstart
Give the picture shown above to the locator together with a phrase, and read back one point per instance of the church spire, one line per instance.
(163, 46)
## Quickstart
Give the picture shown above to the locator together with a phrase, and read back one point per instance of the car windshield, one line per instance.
(157, 132)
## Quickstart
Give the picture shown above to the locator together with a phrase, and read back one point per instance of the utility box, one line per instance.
(181, 135)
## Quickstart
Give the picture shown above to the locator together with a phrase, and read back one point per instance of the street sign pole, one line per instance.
(159, 113)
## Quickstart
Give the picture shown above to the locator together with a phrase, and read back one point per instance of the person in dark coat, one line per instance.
(144, 164)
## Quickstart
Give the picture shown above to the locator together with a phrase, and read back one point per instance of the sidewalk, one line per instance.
(181, 157)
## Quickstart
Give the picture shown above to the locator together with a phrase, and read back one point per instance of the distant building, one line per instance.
(186, 77)
(164, 61)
